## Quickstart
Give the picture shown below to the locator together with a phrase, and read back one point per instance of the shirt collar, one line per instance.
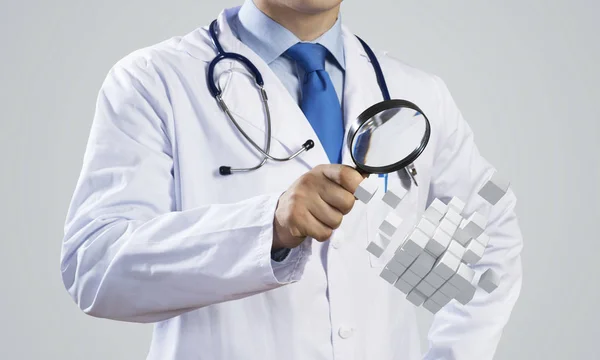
(269, 40)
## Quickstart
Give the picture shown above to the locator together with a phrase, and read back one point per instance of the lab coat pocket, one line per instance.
(377, 211)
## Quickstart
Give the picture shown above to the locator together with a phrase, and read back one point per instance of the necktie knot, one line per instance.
(311, 57)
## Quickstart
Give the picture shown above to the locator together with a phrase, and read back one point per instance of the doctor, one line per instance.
(271, 263)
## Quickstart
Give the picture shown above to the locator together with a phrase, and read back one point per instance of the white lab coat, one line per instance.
(155, 234)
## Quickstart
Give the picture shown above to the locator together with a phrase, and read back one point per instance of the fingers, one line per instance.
(326, 214)
(316, 203)
(310, 225)
(337, 197)
(318, 231)
(343, 175)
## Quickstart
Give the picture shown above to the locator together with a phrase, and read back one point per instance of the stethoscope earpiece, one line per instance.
(225, 170)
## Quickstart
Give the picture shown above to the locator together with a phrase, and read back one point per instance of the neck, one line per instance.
(307, 26)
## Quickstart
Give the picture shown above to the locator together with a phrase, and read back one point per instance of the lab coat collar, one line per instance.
(289, 125)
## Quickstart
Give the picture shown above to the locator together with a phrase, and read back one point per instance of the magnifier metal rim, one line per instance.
(372, 111)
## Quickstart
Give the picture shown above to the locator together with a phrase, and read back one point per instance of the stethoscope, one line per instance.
(258, 79)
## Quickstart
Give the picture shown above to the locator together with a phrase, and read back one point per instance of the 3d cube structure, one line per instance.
(461, 235)
(456, 249)
(404, 257)
(473, 252)
(390, 224)
(422, 264)
(432, 306)
(375, 248)
(416, 242)
(416, 297)
(435, 212)
(474, 225)
(403, 286)
(483, 239)
(366, 189)
(457, 204)
(489, 281)
(396, 267)
(427, 227)
(438, 243)
(494, 189)
(432, 266)
(393, 198)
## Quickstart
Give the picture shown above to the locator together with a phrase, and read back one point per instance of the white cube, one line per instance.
(440, 298)
(474, 253)
(366, 189)
(416, 242)
(483, 239)
(382, 240)
(449, 290)
(432, 306)
(434, 280)
(396, 267)
(403, 286)
(457, 204)
(446, 265)
(489, 281)
(448, 226)
(393, 196)
(463, 277)
(411, 278)
(388, 276)
(475, 225)
(439, 206)
(416, 298)
(466, 295)
(453, 216)
(374, 249)
(425, 288)
(494, 189)
(456, 249)
(433, 215)
(438, 243)
(404, 257)
(427, 227)
(423, 264)
(461, 235)
(390, 224)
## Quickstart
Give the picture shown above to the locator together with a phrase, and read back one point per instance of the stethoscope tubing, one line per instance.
(309, 144)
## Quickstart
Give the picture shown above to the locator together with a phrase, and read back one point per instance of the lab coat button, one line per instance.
(345, 332)
(337, 239)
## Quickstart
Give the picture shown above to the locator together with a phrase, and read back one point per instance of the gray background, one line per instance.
(524, 73)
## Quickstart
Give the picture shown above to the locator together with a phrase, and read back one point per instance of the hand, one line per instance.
(314, 205)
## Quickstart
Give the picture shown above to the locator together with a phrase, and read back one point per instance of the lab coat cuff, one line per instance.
(289, 269)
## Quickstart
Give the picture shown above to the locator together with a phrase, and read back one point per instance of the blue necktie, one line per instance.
(320, 103)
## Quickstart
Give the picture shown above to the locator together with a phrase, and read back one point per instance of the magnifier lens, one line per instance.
(388, 136)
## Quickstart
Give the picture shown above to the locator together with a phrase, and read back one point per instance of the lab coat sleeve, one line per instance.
(127, 254)
(472, 332)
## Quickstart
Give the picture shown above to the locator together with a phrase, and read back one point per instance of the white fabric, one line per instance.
(154, 234)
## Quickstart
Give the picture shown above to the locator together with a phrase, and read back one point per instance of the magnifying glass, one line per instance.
(388, 137)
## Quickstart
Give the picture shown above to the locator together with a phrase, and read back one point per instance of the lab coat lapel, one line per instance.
(360, 86)
(289, 125)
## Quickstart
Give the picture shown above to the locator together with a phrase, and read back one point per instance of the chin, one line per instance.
(312, 6)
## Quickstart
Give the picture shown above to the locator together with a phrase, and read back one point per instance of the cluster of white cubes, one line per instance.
(432, 265)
